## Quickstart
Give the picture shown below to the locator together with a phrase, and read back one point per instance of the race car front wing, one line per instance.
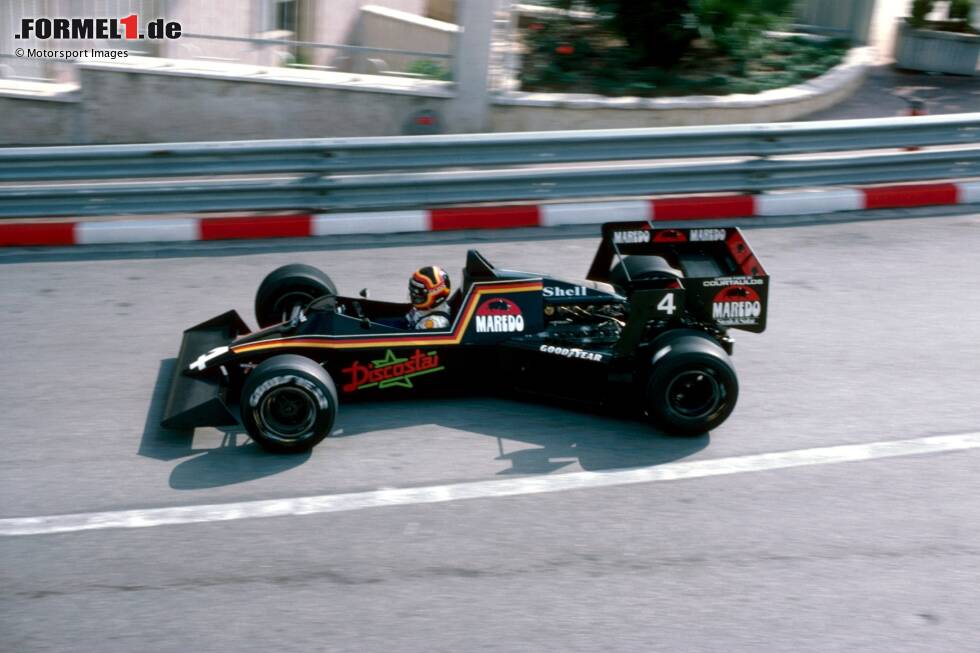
(198, 400)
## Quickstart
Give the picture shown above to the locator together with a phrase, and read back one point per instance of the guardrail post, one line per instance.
(917, 107)
(755, 168)
(469, 111)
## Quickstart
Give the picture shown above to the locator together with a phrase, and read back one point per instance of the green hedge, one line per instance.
(571, 56)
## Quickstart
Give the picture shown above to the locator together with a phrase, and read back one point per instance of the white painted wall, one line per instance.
(389, 28)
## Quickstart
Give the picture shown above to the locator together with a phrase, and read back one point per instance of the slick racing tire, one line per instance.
(642, 268)
(289, 404)
(289, 286)
(692, 387)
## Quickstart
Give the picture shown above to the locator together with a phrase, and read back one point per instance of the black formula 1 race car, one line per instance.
(648, 331)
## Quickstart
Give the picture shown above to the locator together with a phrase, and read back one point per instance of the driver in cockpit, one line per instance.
(428, 289)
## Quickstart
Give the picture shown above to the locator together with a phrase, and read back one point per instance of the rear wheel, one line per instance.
(288, 403)
(692, 387)
(287, 287)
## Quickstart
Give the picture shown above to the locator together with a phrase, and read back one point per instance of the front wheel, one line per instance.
(287, 287)
(289, 404)
(692, 388)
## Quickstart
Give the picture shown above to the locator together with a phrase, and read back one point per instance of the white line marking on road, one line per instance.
(317, 505)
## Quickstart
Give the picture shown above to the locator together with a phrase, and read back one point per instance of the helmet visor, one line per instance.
(417, 293)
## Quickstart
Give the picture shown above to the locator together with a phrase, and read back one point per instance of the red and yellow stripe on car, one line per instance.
(410, 339)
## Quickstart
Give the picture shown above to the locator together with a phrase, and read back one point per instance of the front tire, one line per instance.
(288, 404)
(692, 388)
(287, 287)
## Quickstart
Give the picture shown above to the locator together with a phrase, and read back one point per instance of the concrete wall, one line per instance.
(444, 10)
(159, 100)
(125, 105)
(337, 21)
(39, 114)
(849, 17)
(388, 28)
(153, 100)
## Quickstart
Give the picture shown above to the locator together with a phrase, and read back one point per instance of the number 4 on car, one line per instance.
(647, 333)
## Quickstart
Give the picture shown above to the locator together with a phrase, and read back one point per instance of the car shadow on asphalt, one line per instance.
(533, 437)
(557, 433)
(236, 460)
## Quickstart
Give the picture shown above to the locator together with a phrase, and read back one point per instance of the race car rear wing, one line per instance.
(723, 281)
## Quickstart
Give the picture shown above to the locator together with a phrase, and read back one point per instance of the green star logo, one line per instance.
(404, 381)
(389, 359)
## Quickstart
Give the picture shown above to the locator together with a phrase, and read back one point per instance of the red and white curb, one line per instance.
(705, 207)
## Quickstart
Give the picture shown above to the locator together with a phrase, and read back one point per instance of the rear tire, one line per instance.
(642, 268)
(288, 404)
(289, 286)
(692, 388)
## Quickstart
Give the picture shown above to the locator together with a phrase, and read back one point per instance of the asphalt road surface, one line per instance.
(873, 337)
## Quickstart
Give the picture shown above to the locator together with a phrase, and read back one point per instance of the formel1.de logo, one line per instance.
(80, 29)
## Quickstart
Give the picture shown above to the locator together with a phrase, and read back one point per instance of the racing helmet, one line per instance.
(428, 287)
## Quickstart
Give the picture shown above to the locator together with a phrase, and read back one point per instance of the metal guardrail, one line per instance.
(413, 172)
(347, 155)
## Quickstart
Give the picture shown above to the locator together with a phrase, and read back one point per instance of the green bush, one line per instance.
(812, 70)
(731, 53)
(657, 32)
(785, 46)
(430, 69)
(831, 60)
(800, 58)
(660, 32)
(920, 10)
(734, 25)
(960, 9)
